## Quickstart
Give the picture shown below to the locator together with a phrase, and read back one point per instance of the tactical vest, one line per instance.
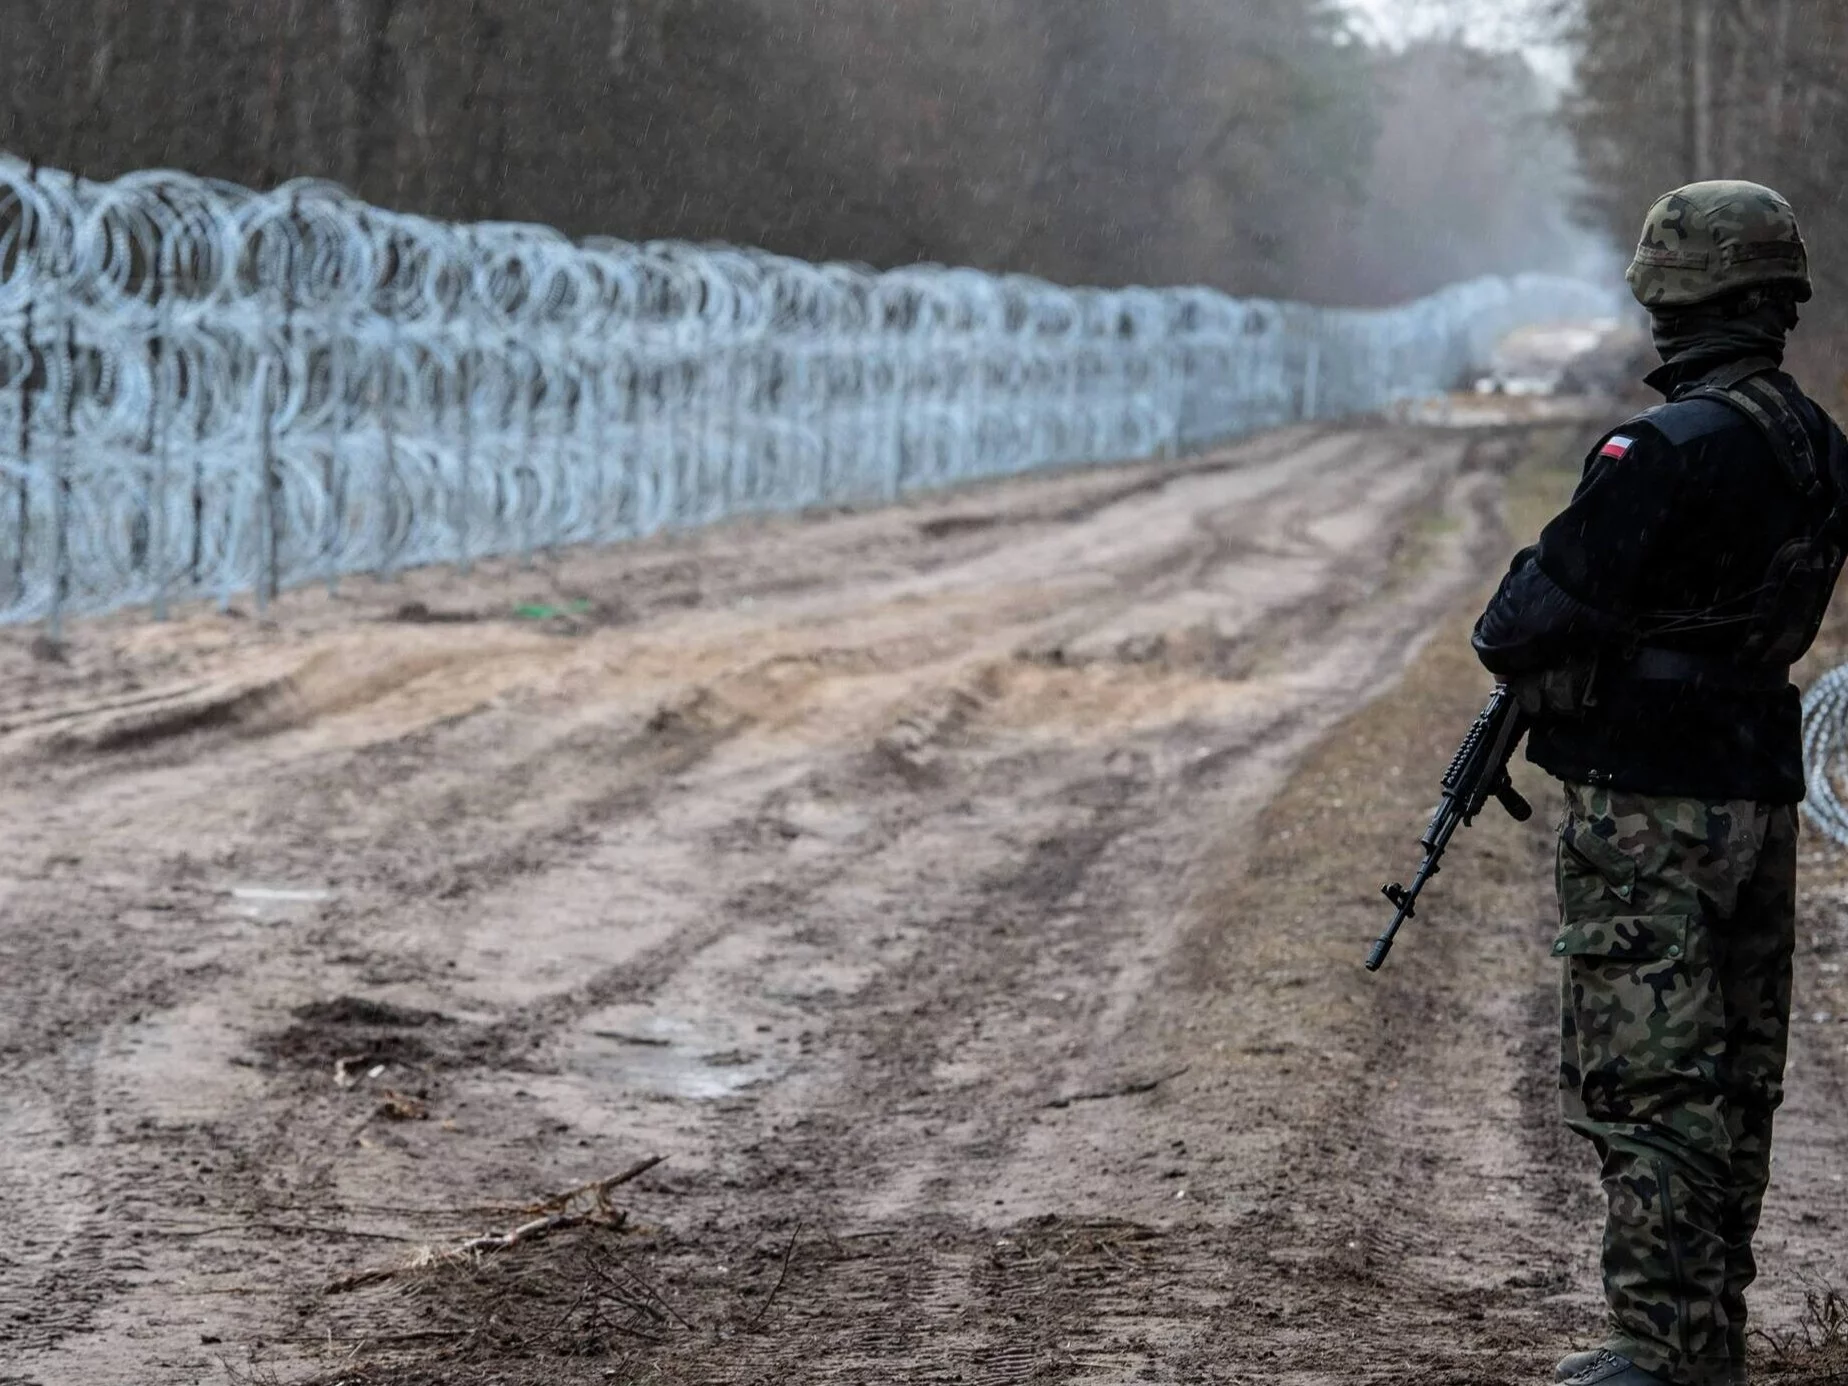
(1778, 619)
(1789, 606)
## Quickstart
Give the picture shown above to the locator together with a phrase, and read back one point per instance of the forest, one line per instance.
(1258, 147)
(1669, 92)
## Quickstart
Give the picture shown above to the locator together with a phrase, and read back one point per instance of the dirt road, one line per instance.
(967, 899)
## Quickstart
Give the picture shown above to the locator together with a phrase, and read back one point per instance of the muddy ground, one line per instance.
(966, 899)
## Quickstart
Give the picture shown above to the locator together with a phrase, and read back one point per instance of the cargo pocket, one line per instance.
(1637, 1004)
(1595, 876)
(1626, 938)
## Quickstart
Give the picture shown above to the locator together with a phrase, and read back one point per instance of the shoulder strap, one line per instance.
(1835, 527)
(1739, 371)
(1744, 387)
(1836, 463)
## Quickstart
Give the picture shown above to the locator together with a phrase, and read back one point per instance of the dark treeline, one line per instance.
(1676, 90)
(1255, 146)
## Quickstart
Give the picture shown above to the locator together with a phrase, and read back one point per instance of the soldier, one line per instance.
(1649, 634)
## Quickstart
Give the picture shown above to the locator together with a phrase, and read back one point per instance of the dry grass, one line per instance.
(1815, 1352)
(594, 1303)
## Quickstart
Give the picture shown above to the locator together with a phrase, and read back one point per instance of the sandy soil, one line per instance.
(967, 899)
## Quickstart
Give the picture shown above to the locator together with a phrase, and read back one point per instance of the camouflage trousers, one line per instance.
(1677, 925)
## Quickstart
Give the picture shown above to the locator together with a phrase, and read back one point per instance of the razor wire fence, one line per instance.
(206, 390)
(1825, 753)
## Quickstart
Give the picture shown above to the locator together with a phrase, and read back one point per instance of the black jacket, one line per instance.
(1680, 510)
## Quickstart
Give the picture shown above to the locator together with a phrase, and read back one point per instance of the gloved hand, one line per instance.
(1551, 694)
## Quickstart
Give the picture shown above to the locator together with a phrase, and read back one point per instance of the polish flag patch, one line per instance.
(1618, 447)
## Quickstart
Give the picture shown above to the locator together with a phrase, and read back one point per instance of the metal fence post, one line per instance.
(163, 470)
(61, 489)
(388, 478)
(29, 370)
(266, 493)
(156, 490)
(465, 462)
(269, 521)
(334, 469)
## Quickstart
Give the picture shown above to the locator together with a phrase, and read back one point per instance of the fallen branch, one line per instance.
(283, 1229)
(602, 1273)
(585, 1205)
(1127, 1090)
(596, 1193)
(781, 1276)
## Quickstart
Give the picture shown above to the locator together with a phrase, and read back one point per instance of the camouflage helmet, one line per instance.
(1709, 239)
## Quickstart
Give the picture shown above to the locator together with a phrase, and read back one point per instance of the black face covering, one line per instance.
(1729, 329)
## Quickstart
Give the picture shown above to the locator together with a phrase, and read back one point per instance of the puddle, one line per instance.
(642, 1050)
(276, 904)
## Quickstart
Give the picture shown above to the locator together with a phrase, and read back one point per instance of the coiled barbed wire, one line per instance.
(1825, 753)
(206, 390)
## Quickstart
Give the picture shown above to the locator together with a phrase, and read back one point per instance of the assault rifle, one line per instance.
(1477, 771)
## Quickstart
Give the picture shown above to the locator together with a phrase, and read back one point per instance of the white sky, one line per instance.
(1500, 24)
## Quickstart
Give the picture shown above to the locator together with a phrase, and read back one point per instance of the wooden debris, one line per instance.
(587, 1205)
(399, 1106)
(1126, 1090)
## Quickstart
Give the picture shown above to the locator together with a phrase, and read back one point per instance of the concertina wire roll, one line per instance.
(206, 390)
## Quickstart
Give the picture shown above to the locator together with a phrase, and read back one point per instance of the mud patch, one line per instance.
(947, 525)
(421, 614)
(361, 1011)
(695, 715)
(221, 709)
(1200, 650)
(307, 688)
(916, 743)
(353, 1033)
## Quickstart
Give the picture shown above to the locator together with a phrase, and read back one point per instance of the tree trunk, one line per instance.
(479, 107)
(1734, 122)
(416, 180)
(1700, 86)
(1777, 99)
(373, 134)
(299, 58)
(355, 44)
(622, 25)
(269, 127)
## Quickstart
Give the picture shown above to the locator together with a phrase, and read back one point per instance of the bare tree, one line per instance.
(1102, 140)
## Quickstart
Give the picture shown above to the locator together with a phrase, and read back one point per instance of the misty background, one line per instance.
(1359, 154)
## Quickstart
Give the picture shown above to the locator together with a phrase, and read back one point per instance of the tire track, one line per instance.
(872, 876)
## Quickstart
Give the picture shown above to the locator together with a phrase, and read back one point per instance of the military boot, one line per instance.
(1575, 1362)
(1608, 1369)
